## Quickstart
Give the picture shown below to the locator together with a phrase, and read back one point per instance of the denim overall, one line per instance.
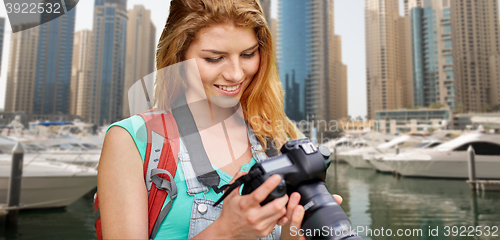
(203, 212)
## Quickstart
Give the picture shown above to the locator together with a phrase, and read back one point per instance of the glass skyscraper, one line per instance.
(53, 64)
(432, 54)
(106, 62)
(294, 54)
(310, 65)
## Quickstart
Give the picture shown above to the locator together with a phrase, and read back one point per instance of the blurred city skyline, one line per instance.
(349, 24)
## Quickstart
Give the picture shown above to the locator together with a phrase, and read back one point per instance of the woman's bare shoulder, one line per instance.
(117, 133)
(118, 142)
(117, 138)
(121, 189)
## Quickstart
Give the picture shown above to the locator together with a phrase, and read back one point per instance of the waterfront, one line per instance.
(374, 200)
(73, 222)
(371, 200)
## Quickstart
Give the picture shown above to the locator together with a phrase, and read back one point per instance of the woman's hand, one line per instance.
(242, 216)
(294, 215)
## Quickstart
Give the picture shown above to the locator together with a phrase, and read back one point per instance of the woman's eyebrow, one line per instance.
(250, 48)
(219, 52)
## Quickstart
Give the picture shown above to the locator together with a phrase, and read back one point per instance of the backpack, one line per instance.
(159, 166)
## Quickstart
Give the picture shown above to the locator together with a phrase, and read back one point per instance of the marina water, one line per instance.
(371, 200)
(374, 201)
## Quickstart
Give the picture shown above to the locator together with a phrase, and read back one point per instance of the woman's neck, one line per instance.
(207, 114)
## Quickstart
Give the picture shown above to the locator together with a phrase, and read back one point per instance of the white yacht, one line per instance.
(345, 143)
(65, 150)
(355, 157)
(48, 184)
(350, 142)
(376, 159)
(450, 159)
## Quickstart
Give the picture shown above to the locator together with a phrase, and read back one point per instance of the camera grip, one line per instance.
(278, 192)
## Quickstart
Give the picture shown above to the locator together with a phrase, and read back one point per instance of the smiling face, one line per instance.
(227, 58)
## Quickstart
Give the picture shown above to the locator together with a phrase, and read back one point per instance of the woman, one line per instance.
(231, 45)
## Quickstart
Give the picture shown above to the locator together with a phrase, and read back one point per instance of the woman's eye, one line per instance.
(212, 60)
(248, 55)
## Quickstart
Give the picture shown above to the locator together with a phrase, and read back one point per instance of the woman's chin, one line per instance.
(224, 101)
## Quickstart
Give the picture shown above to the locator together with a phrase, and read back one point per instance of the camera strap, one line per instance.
(192, 139)
(190, 135)
(240, 181)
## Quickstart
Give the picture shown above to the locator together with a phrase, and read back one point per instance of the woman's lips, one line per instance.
(229, 90)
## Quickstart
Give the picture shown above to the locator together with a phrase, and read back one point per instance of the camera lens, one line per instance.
(324, 218)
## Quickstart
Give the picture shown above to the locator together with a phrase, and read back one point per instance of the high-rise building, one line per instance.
(39, 72)
(274, 26)
(308, 62)
(53, 63)
(266, 6)
(22, 70)
(79, 91)
(406, 65)
(409, 4)
(2, 31)
(495, 79)
(107, 62)
(141, 45)
(338, 101)
(431, 45)
(275, 33)
(475, 37)
(386, 56)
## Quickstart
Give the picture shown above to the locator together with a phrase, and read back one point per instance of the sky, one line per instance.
(349, 24)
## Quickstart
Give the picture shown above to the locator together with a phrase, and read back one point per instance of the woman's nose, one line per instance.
(234, 72)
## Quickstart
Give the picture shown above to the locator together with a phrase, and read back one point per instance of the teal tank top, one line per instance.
(176, 223)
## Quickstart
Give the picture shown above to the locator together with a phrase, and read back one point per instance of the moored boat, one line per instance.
(380, 165)
(355, 157)
(450, 159)
(49, 184)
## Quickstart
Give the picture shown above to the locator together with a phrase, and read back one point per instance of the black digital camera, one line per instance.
(302, 167)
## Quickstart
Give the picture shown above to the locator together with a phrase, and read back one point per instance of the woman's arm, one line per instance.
(123, 200)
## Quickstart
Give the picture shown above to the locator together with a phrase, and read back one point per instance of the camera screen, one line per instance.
(270, 166)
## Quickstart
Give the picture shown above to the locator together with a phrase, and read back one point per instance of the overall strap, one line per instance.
(257, 152)
(259, 156)
(193, 185)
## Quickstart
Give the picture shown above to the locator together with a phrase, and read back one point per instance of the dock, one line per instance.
(484, 185)
(479, 185)
(3, 219)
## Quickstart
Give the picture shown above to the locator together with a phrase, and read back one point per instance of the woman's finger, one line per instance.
(292, 203)
(282, 221)
(272, 213)
(338, 198)
(274, 210)
(260, 194)
(296, 221)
